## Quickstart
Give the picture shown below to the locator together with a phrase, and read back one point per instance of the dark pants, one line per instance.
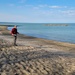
(15, 38)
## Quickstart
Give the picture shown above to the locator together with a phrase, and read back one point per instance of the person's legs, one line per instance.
(15, 38)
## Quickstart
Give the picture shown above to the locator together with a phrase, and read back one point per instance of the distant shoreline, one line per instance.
(56, 24)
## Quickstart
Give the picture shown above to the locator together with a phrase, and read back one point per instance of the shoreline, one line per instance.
(59, 43)
(52, 35)
(35, 56)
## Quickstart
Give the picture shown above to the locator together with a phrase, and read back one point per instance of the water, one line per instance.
(41, 30)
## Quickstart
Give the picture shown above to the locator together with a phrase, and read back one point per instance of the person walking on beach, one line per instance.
(14, 33)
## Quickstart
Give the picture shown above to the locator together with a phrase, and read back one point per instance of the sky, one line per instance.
(37, 11)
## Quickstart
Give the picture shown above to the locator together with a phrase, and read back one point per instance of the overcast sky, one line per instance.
(37, 11)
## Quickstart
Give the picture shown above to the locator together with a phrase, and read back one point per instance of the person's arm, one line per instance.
(17, 32)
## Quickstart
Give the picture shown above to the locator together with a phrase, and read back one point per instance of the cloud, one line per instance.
(39, 13)
(35, 7)
(27, 5)
(69, 12)
(11, 5)
(57, 7)
(42, 5)
(38, 17)
(54, 6)
(22, 1)
(10, 17)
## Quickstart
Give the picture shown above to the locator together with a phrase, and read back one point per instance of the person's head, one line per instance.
(15, 26)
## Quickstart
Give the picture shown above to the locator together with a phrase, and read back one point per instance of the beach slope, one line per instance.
(35, 56)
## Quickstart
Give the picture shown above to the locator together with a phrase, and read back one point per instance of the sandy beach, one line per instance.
(35, 56)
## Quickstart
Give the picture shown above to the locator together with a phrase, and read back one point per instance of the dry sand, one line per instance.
(35, 56)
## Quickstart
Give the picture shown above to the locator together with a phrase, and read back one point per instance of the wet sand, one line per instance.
(35, 56)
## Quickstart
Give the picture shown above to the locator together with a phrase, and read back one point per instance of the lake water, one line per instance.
(47, 30)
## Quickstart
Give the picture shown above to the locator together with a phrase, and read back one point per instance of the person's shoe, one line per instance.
(15, 44)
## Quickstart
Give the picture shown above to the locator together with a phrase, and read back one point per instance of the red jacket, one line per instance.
(14, 31)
